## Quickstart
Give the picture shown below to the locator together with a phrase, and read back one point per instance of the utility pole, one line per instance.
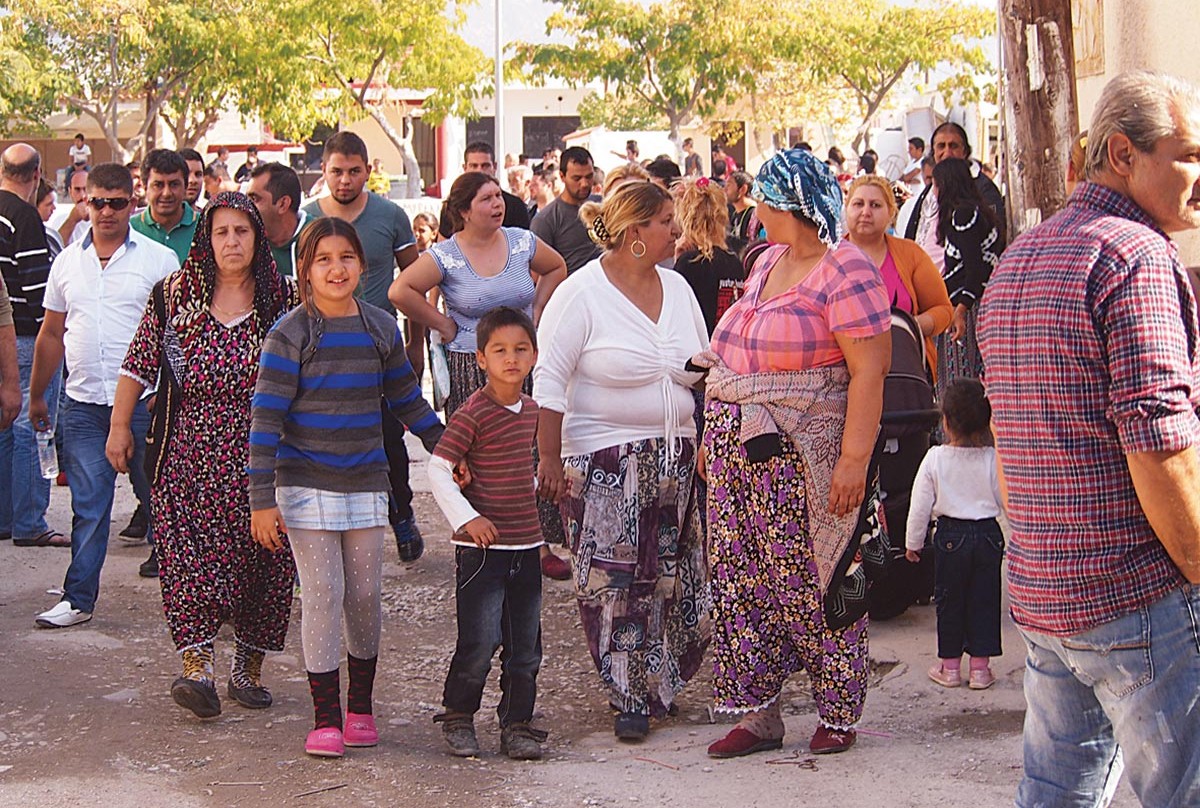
(1041, 110)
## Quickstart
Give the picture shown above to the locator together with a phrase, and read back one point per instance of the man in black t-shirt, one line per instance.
(480, 156)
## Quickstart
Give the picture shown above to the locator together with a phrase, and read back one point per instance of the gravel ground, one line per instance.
(86, 717)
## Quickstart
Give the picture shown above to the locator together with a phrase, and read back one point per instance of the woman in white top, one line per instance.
(482, 266)
(617, 441)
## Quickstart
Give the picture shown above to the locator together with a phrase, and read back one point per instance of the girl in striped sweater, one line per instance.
(318, 468)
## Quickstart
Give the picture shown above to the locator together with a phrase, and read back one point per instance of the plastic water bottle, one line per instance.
(47, 455)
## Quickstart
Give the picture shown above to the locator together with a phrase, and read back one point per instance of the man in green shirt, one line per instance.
(275, 191)
(167, 218)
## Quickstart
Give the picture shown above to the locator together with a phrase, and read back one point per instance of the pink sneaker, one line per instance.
(325, 742)
(359, 730)
(981, 679)
(944, 677)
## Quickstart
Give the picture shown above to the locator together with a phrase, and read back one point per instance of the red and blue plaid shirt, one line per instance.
(1089, 337)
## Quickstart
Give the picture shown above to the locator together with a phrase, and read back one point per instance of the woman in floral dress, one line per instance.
(219, 306)
(795, 393)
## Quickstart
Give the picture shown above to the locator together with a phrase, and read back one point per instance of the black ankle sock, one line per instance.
(327, 699)
(362, 684)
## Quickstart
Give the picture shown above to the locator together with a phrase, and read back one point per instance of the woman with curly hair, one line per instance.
(702, 258)
(208, 321)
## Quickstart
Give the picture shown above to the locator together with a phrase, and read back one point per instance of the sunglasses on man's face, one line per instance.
(115, 202)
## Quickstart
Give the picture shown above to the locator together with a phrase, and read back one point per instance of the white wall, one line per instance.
(1154, 34)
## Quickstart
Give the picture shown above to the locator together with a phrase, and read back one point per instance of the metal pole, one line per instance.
(498, 137)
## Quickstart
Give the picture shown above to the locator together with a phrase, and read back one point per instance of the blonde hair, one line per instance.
(884, 187)
(631, 204)
(626, 172)
(702, 214)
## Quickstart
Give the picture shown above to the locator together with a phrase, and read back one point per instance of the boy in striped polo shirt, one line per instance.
(496, 538)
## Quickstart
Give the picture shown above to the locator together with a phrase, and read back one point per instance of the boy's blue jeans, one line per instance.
(1125, 694)
(498, 597)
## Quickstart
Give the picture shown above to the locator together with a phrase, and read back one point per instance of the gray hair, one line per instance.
(522, 173)
(1143, 106)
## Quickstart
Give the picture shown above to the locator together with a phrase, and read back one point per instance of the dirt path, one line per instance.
(86, 718)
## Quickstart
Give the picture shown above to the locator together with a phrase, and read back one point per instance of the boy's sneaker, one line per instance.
(409, 544)
(459, 731)
(521, 742)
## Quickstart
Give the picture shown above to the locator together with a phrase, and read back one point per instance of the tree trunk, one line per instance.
(1040, 107)
(403, 144)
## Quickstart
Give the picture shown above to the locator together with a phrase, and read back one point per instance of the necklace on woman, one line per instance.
(230, 314)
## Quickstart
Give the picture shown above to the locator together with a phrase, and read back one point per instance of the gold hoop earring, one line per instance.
(633, 248)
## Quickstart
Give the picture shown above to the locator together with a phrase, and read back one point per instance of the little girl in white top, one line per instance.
(958, 486)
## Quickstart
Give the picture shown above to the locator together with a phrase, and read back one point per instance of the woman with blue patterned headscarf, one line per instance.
(794, 395)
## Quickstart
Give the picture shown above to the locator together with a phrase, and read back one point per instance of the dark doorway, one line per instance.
(541, 132)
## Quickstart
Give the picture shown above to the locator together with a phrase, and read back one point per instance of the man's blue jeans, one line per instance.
(1123, 695)
(91, 477)
(24, 493)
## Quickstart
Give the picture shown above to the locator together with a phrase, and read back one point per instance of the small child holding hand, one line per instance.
(497, 538)
(958, 485)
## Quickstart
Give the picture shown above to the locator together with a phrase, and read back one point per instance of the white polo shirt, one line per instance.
(103, 308)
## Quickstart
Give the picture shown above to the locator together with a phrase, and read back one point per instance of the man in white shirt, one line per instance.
(81, 152)
(912, 172)
(76, 225)
(96, 295)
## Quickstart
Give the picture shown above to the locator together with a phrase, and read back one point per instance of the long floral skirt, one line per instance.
(641, 573)
(959, 359)
(768, 621)
(465, 378)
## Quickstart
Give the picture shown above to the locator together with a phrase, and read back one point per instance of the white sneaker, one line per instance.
(62, 616)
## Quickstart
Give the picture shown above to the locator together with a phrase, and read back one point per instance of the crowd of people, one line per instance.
(678, 378)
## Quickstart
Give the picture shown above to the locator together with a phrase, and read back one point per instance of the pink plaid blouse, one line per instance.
(795, 329)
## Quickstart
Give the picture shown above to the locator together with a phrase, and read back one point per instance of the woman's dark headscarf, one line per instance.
(193, 290)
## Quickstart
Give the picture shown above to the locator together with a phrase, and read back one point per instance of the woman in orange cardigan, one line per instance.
(913, 282)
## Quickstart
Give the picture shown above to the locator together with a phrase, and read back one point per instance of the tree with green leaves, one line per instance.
(867, 47)
(670, 62)
(363, 51)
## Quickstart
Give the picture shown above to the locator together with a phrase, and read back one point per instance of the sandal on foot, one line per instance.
(325, 742)
(359, 730)
(51, 538)
(741, 742)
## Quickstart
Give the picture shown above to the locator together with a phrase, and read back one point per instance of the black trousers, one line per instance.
(400, 501)
(966, 589)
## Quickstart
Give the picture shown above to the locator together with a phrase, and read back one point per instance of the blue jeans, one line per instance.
(24, 493)
(1122, 695)
(498, 597)
(966, 586)
(91, 477)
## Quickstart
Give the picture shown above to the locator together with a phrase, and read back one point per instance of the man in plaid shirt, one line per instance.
(1089, 335)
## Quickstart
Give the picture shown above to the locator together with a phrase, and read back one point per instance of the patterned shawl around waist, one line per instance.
(809, 407)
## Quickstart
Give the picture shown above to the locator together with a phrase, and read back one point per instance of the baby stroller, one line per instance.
(909, 415)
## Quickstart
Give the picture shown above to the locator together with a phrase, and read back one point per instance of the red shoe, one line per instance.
(826, 741)
(61, 480)
(359, 730)
(741, 742)
(555, 568)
